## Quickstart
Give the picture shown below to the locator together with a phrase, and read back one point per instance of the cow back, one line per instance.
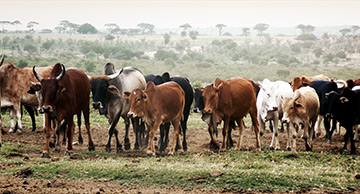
(322, 88)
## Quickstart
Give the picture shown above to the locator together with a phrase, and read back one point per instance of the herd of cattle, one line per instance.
(153, 101)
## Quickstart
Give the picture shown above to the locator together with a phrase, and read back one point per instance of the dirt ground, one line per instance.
(198, 141)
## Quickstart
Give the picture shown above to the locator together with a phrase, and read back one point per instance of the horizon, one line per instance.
(199, 14)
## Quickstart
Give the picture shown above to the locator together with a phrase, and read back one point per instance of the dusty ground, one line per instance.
(198, 141)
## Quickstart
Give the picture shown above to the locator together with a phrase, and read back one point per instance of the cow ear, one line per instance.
(218, 81)
(113, 89)
(150, 86)
(219, 87)
(34, 87)
(201, 90)
(127, 94)
(297, 105)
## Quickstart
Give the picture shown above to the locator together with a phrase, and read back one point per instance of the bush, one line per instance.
(161, 55)
(341, 55)
(304, 37)
(109, 37)
(22, 63)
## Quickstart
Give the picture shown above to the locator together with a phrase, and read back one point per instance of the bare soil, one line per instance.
(198, 141)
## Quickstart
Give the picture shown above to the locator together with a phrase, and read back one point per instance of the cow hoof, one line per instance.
(57, 150)
(171, 154)
(127, 146)
(64, 142)
(150, 155)
(271, 148)
(91, 148)
(136, 148)
(289, 148)
(81, 141)
(11, 130)
(261, 134)
(107, 149)
(45, 155)
(33, 130)
(68, 153)
(277, 149)
(119, 150)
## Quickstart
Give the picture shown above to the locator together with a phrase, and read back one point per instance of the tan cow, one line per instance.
(156, 105)
(301, 109)
(298, 82)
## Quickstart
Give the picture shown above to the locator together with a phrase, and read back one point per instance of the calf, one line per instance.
(301, 109)
(230, 100)
(157, 105)
(298, 82)
(345, 107)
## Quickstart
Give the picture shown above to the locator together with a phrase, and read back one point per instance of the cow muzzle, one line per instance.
(286, 120)
(41, 110)
(196, 110)
(131, 115)
(48, 109)
(329, 115)
(97, 105)
(208, 111)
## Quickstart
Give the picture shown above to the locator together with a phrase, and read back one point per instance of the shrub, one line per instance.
(162, 55)
(22, 63)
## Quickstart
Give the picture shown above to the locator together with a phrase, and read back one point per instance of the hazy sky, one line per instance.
(172, 14)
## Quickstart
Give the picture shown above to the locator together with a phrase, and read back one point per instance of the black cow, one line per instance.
(108, 97)
(345, 107)
(189, 95)
(322, 88)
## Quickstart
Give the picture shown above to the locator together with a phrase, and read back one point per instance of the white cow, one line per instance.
(269, 104)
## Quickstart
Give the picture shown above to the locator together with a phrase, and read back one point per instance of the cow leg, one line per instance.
(126, 137)
(57, 131)
(136, 128)
(275, 139)
(111, 132)
(183, 129)
(356, 129)
(306, 137)
(45, 153)
(63, 130)
(176, 124)
(18, 117)
(352, 141)
(70, 135)
(288, 141)
(255, 125)
(81, 141)
(241, 126)
(30, 110)
(230, 142)
(270, 126)
(294, 135)
(327, 128)
(152, 129)
(318, 125)
(91, 146)
(164, 136)
(225, 132)
(333, 128)
(118, 144)
(214, 146)
(12, 120)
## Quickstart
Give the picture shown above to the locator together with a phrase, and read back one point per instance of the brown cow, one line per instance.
(352, 83)
(303, 108)
(14, 84)
(65, 93)
(156, 105)
(298, 82)
(232, 99)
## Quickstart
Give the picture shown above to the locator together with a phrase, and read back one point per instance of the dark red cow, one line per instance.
(65, 94)
(230, 100)
(157, 105)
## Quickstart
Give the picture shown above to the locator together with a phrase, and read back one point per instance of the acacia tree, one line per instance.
(220, 27)
(344, 31)
(261, 27)
(193, 35)
(31, 25)
(3, 23)
(16, 23)
(166, 38)
(146, 26)
(354, 29)
(245, 32)
(111, 27)
(87, 29)
(306, 29)
(185, 27)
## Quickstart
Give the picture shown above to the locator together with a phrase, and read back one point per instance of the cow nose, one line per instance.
(46, 109)
(41, 110)
(96, 105)
(285, 120)
(196, 110)
(328, 115)
(130, 114)
(207, 110)
(275, 108)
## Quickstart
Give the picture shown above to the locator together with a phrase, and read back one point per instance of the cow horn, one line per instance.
(38, 77)
(2, 59)
(59, 77)
(115, 75)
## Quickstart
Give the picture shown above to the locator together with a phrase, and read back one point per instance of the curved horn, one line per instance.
(115, 75)
(59, 77)
(38, 77)
(2, 59)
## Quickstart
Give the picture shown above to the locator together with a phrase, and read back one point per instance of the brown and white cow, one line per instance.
(301, 109)
(65, 94)
(156, 105)
(230, 100)
(14, 84)
(298, 82)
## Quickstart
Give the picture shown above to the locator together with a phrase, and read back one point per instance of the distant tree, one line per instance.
(46, 31)
(193, 35)
(3, 23)
(306, 29)
(185, 27)
(354, 29)
(261, 27)
(146, 26)
(220, 27)
(64, 24)
(344, 31)
(109, 37)
(302, 28)
(16, 23)
(111, 27)
(133, 31)
(31, 25)
(60, 29)
(87, 29)
(166, 38)
(74, 27)
(245, 32)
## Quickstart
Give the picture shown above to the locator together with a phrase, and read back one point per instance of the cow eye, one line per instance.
(138, 100)
(268, 95)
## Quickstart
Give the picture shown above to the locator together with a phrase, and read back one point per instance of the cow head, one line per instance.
(293, 109)
(211, 97)
(50, 87)
(296, 83)
(267, 98)
(138, 100)
(101, 90)
(199, 101)
(35, 88)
